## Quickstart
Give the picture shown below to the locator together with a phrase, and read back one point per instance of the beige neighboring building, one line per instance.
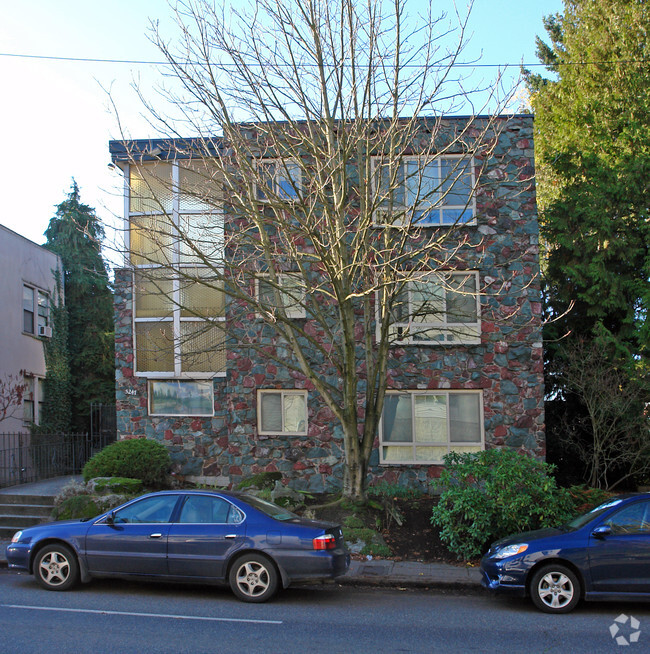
(27, 285)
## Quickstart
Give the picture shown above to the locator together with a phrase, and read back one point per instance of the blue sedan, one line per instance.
(604, 554)
(204, 536)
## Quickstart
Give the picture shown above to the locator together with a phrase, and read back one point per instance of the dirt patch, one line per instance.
(416, 539)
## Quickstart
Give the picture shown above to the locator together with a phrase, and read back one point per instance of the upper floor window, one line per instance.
(175, 215)
(421, 427)
(178, 320)
(176, 244)
(425, 191)
(438, 308)
(288, 294)
(278, 179)
(282, 412)
(36, 312)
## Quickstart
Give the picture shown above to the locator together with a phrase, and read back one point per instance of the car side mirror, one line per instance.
(110, 518)
(602, 531)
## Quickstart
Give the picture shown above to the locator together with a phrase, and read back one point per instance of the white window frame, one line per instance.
(150, 392)
(175, 217)
(284, 393)
(461, 446)
(35, 390)
(436, 203)
(40, 321)
(280, 167)
(451, 333)
(295, 309)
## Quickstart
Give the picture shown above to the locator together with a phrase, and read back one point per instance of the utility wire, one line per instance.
(140, 62)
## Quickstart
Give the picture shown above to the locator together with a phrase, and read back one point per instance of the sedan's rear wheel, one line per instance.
(555, 589)
(253, 578)
(56, 567)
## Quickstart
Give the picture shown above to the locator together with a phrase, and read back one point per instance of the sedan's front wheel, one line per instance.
(253, 578)
(555, 589)
(56, 567)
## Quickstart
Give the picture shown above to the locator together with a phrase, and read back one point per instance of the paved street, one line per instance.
(123, 617)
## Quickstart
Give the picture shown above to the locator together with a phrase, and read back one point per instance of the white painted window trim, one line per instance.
(446, 327)
(296, 312)
(175, 318)
(279, 163)
(413, 444)
(194, 377)
(378, 222)
(283, 393)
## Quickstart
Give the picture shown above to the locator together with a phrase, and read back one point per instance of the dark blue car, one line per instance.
(204, 536)
(604, 554)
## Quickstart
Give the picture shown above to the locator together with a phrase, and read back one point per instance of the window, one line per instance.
(28, 309)
(633, 519)
(438, 308)
(426, 191)
(181, 398)
(151, 510)
(176, 246)
(282, 412)
(421, 427)
(33, 399)
(201, 509)
(36, 311)
(290, 295)
(279, 179)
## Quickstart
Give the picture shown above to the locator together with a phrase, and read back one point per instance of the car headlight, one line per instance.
(17, 536)
(511, 550)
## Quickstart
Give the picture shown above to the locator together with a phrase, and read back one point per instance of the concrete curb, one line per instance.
(385, 573)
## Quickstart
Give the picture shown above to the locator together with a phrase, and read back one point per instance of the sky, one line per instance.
(56, 114)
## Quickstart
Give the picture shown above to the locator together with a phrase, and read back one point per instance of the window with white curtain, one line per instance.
(282, 412)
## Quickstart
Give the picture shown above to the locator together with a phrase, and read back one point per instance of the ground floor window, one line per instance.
(33, 399)
(178, 397)
(421, 427)
(282, 412)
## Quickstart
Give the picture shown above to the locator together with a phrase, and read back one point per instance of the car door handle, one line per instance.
(230, 536)
(155, 536)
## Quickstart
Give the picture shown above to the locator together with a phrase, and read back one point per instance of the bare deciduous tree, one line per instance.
(12, 390)
(320, 136)
(613, 438)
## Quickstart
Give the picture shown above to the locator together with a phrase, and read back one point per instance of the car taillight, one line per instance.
(325, 542)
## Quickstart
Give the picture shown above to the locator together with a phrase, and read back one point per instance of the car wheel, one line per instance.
(56, 567)
(253, 578)
(555, 589)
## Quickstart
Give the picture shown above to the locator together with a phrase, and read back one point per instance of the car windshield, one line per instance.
(268, 508)
(582, 520)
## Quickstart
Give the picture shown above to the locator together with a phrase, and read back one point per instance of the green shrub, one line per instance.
(140, 458)
(261, 480)
(491, 494)
(123, 485)
(79, 506)
(584, 498)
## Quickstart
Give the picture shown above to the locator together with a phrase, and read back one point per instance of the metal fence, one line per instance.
(26, 458)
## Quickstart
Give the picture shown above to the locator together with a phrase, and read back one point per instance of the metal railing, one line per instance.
(26, 458)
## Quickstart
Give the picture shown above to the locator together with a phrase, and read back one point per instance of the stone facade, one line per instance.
(507, 365)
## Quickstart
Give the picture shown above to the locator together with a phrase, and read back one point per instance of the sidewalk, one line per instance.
(375, 572)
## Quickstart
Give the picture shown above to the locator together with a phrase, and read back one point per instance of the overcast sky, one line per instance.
(55, 115)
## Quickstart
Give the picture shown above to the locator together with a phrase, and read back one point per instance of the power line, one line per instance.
(140, 62)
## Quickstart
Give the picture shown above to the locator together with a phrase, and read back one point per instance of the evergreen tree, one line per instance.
(57, 409)
(76, 234)
(593, 163)
(592, 119)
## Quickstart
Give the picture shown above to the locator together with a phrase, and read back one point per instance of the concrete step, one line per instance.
(40, 510)
(18, 511)
(21, 521)
(17, 498)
